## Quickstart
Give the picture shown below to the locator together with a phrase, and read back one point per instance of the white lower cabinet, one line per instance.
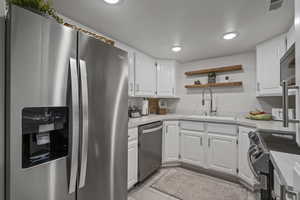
(222, 153)
(132, 163)
(192, 147)
(212, 146)
(245, 172)
(277, 186)
(132, 169)
(170, 141)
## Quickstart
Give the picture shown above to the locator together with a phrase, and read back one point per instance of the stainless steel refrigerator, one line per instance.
(66, 113)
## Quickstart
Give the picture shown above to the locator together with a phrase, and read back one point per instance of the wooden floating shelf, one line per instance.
(218, 69)
(229, 84)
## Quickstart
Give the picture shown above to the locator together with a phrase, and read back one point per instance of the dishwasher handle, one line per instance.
(152, 130)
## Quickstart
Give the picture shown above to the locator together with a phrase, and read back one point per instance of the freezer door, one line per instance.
(2, 78)
(38, 76)
(106, 169)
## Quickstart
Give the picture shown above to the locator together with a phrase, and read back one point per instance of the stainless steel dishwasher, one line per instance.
(150, 149)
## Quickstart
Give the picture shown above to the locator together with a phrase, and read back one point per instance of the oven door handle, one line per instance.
(152, 130)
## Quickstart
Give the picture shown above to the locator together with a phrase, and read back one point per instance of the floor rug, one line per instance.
(186, 185)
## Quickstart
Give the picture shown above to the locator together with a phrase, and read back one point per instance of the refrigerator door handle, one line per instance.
(73, 154)
(84, 124)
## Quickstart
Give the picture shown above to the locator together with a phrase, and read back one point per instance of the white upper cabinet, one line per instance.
(166, 78)
(268, 55)
(131, 66)
(222, 153)
(170, 141)
(291, 37)
(145, 75)
(244, 170)
(131, 60)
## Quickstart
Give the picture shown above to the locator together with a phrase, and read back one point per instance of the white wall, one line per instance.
(2, 31)
(228, 100)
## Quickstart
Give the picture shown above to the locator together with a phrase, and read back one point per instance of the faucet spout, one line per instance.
(211, 100)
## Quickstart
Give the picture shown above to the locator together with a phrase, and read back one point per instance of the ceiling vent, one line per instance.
(274, 4)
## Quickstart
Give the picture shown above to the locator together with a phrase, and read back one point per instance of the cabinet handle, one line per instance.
(258, 86)
(167, 129)
(137, 87)
(173, 91)
(201, 141)
(208, 142)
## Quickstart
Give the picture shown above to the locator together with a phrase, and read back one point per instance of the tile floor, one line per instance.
(146, 192)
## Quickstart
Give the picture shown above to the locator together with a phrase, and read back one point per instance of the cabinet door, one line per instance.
(268, 55)
(165, 78)
(131, 60)
(192, 147)
(132, 164)
(244, 170)
(171, 141)
(222, 153)
(131, 64)
(277, 185)
(145, 75)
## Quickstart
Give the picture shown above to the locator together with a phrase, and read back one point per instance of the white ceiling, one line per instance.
(153, 26)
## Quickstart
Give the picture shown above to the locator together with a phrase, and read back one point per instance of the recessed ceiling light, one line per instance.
(230, 36)
(112, 1)
(176, 48)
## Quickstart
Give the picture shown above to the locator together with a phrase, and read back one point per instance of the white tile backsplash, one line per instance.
(228, 100)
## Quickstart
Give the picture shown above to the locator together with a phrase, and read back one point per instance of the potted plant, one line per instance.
(43, 7)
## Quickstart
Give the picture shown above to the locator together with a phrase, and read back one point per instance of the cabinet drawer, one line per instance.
(192, 133)
(222, 129)
(132, 134)
(193, 126)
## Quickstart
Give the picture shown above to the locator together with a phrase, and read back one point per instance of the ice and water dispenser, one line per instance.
(44, 135)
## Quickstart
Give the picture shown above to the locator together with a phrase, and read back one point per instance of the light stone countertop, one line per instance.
(264, 126)
(284, 165)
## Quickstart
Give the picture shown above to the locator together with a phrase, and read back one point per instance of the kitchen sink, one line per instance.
(217, 118)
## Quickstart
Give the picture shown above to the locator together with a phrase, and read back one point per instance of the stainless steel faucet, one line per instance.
(211, 111)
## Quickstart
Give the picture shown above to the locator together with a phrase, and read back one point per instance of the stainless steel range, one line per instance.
(261, 143)
(259, 162)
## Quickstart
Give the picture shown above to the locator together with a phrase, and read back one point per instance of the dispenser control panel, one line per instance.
(44, 135)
